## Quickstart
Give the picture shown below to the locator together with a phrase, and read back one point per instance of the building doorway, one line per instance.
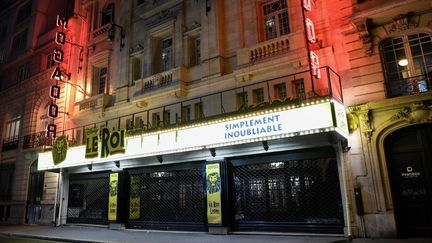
(289, 192)
(36, 183)
(409, 160)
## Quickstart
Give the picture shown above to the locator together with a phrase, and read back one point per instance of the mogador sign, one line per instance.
(264, 125)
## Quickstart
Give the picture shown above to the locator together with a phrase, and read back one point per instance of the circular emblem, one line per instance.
(409, 169)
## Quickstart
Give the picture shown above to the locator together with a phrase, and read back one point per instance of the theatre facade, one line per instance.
(274, 168)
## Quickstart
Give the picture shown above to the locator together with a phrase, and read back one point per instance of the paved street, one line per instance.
(27, 233)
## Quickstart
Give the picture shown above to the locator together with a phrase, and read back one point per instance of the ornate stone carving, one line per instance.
(402, 22)
(362, 27)
(415, 113)
(360, 117)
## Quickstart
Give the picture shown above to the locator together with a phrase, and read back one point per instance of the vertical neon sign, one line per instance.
(311, 38)
(58, 57)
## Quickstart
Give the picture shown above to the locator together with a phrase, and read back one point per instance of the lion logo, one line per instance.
(59, 150)
(213, 183)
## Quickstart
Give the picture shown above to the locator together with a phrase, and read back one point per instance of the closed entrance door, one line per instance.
(409, 154)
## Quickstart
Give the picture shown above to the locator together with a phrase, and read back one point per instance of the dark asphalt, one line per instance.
(74, 233)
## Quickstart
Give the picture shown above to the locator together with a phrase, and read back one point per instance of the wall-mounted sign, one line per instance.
(269, 125)
(310, 31)
(213, 189)
(410, 173)
(104, 142)
(51, 130)
(307, 5)
(55, 92)
(58, 56)
(92, 142)
(315, 65)
(59, 151)
(52, 110)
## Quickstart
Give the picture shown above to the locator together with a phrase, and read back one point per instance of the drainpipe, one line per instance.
(55, 202)
(61, 198)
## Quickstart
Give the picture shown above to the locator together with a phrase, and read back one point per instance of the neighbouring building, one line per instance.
(219, 116)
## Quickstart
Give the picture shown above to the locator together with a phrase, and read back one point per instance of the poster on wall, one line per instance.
(134, 200)
(112, 200)
(213, 188)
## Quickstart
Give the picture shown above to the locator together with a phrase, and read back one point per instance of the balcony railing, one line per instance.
(10, 144)
(35, 140)
(174, 78)
(221, 104)
(100, 34)
(263, 50)
(409, 86)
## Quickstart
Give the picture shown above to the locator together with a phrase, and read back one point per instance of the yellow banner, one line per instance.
(214, 207)
(134, 200)
(112, 200)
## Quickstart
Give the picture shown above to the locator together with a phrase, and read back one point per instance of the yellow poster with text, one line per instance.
(213, 180)
(134, 200)
(112, 199)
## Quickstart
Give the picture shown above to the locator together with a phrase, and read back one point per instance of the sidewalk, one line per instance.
(99, 234)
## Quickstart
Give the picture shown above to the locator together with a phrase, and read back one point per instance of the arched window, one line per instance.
(407, 63)
(108, 14)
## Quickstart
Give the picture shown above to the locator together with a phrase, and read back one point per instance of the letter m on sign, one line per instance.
(62, 21)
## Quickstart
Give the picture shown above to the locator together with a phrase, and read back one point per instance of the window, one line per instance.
(300, 89)
(407, 62)
(155, 119)
(166, 54)
(258, 96)
(280, 91)
(199, 110)
(19, 42)
(195, 50)
(50, 61)
(23, 13)
(102, 80)
(186, 113)
(136, 68)
(108, 14)
(22, 73)
(166, 117)
(242, 99)
(275, 16)
(12, 132)
(6, 177)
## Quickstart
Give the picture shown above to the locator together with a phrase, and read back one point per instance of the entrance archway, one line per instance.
(409, 161)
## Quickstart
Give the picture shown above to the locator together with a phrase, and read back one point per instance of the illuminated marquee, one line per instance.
(105, 145)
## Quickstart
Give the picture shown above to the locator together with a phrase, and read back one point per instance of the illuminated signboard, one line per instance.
(315, 66)
(104, 142)
(58, 57)
(310, 36)
(268, 125)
